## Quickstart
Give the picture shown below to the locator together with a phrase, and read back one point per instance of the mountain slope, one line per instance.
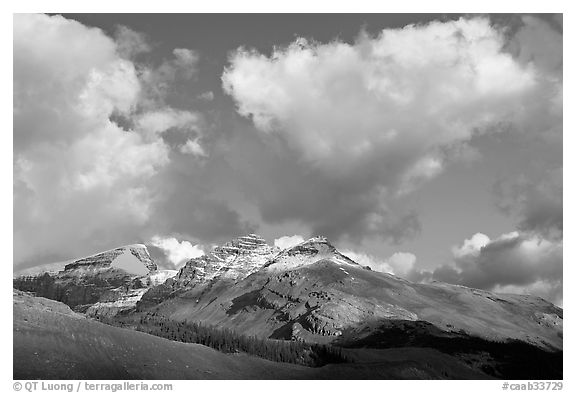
(52, 342)
(233, 261)
(313, 293)
(310, 292)
(107, 282)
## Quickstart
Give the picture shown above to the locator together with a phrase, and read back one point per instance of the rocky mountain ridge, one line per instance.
(107, 282)
(311, 292)
(106, 259)
(233, 261)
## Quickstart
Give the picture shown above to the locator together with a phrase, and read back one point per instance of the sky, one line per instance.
(427, 146)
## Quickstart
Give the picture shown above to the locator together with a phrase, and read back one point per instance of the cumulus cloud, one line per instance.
(375, 119)
(176, 251)
(78, 177)
(400, 263)
(514, 262)
(471, 247)
(288, 241)
(338, 102)
(91, 164)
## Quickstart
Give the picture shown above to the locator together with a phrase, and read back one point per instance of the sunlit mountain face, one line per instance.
(311, 195)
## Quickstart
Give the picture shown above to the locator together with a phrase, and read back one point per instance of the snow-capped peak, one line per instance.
(234, 260)
(308, 252)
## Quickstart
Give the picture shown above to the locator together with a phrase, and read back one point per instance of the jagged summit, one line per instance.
(234, 260)
(309, 292)
(248, 254)
(242, 245)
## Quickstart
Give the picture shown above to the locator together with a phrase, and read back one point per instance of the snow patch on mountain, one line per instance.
(306, 253)
(160, 276)
(132, 255)
(233, 261)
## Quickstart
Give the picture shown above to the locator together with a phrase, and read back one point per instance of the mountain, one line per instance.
(233, 261)
(104, 283)
(312, 293)
(306, 253)
(53, 342)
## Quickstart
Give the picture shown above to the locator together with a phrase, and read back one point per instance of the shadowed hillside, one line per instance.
(53, 342)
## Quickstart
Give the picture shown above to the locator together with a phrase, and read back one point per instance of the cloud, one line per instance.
(159, 121)
(187, 61)
(192, 200)
(189, 124)
(471, 247)
(130, 43)
(316, 94)
(78, 177)
(158, 81)
(537, 43)
(400, 263)
(285, 189)
(536, 201)
(549, 290)
(540, 43)
(193, 147)
(177, 252)
(206, 96)
(92, 166)
(288, 241)
(514, 262)
(369, 122)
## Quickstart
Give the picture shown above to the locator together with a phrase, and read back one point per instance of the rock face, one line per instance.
(105, 283)
(233, 261)
(106, 258)
(52, 342)
(311, 292)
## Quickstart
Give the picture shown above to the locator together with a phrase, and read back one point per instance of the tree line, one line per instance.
(228, 341)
